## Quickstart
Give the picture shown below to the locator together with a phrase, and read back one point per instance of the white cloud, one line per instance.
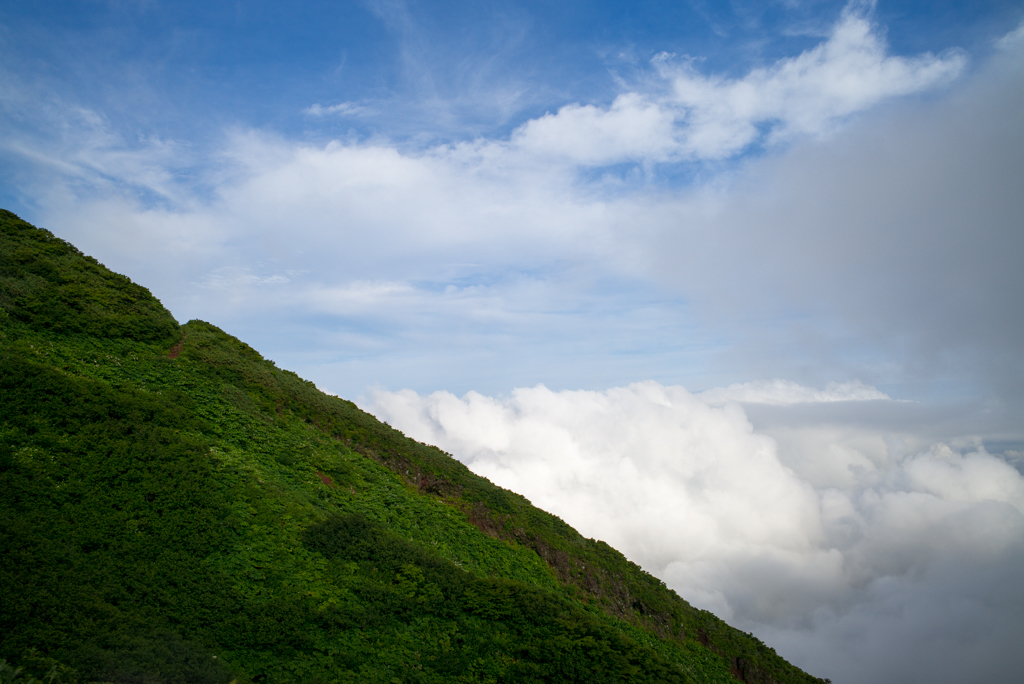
(1013, 40)
(340, 109)
(784, 392)
(971, 478)
(689, 115)
(693, 493)
(573, 452)
(806, 94)
(230, 278)
(517, 202)
(632, 129)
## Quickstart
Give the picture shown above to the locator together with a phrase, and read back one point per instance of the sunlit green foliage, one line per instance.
(174, 508)
(36, 668)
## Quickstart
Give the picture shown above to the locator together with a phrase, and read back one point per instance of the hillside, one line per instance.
(175, 508)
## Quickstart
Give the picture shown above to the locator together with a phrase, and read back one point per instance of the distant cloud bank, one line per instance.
(785, 392)
(817, 531)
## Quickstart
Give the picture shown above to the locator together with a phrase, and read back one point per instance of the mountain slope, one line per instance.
(175, 508)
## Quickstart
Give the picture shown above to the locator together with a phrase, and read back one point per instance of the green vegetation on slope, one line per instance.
(174, 508)
(50, 285)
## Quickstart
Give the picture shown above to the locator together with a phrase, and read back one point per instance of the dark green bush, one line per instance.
(49, 285)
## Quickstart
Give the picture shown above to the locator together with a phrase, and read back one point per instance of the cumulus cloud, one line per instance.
(806, 94)
(690, 115)
(684, 485)
(632, 129)
(572, 451)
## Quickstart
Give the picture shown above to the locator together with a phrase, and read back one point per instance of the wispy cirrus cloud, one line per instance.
(785, 392)
(340, 109)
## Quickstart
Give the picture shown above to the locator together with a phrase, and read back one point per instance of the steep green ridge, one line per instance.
(175, 508)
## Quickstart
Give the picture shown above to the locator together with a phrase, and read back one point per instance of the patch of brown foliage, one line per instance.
(176, 349)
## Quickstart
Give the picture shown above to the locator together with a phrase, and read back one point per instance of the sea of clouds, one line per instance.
(858, 549)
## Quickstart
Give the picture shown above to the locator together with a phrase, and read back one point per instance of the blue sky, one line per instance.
(784, 237)
(161, 105)
(261, 64)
